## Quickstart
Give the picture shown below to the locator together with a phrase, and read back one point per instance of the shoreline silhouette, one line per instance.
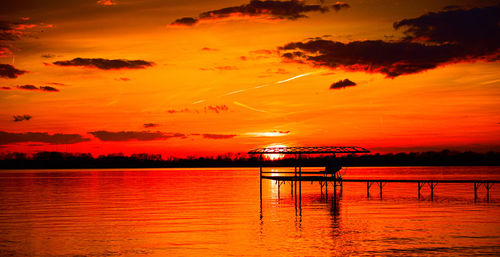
(61, 160)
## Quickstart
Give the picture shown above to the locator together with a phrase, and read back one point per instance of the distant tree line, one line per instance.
(60, 160)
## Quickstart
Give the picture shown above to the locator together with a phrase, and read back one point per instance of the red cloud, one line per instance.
(106, 64)
(278, 10)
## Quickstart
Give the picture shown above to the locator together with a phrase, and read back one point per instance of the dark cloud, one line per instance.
(5, 50)
(28, 87)
(49, 89)
(12, 31)
(390, 58)
(9, 31)
(339, 5)
(185, 21)
(151, 125)
(342, 84)
(5, 88)
(123, 79)
(475, 31)
(134, 135)
(106, 64)
(217, 136)
(431, 40)
(34, 88)
(48, 56)
(40, 137)
(18, 118)
(217, 108)
(8, 71)
(55, 84)
(290, 10)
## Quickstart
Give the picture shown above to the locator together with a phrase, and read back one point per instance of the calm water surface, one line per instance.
(218, 212)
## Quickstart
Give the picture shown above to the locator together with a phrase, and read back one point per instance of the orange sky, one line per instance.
(225, 84)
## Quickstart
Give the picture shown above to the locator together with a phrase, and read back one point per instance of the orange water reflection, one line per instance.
(217, 212)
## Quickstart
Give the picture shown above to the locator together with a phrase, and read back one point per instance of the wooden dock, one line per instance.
(324, 180)
(297, 176)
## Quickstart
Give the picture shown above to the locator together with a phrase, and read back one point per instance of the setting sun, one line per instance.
(273, 157)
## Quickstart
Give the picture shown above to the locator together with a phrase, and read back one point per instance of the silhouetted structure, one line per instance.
(298, 176)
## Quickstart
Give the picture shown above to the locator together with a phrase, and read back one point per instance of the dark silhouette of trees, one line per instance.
(59, 160)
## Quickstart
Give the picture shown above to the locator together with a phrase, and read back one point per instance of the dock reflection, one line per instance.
(329, 200)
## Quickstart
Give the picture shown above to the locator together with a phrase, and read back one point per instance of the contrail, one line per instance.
(296, 77)
(199, 101)
(236, 92)
(248, 107)
(261, 86)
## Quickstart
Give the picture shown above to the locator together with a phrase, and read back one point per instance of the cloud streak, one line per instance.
(431, 40)
(110, 136)
(217, 136)
(7, 138)
(106, 64)
(35, 88)
(273, 10)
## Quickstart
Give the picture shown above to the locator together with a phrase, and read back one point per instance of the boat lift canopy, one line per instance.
(309, 150)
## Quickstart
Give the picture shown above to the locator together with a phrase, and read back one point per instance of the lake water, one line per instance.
(218, 212)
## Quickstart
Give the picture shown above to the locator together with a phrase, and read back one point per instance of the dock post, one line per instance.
(334, 192)
(300, 196)
(279, 185)
(295, 182)
(326, 190)
(261, 189)
(300, 167)
(260, 165)
(260, 162)
(419, 187)
(295, 155)
(368, 185)
(488, 191)
(432, 185)
(341, 187)
(475, 191)
(261, 197)
(381, 186)
(432, 190)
